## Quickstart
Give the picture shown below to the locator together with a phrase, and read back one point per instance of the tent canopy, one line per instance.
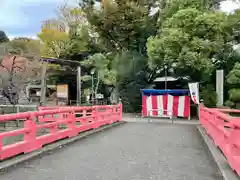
(174, 92)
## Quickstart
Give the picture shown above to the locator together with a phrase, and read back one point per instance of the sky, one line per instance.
(24, 17)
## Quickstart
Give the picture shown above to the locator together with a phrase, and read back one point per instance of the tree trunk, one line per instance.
(114, 98)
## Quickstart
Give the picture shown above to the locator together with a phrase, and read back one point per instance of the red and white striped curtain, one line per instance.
(171, 105)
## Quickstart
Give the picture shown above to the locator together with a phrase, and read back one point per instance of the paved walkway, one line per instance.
(133, 151)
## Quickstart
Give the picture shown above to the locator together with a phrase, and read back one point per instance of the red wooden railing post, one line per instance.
(105, 116)
(84, 120)
(95, 117)
(110, 114)
(1, 144)
(115, 113)
(120, 111)
(72, 124)
(30, 135)
(53, 129)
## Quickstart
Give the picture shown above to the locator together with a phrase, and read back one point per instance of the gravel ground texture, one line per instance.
(133, 151)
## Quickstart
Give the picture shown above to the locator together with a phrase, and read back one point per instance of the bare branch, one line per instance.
(22, 72)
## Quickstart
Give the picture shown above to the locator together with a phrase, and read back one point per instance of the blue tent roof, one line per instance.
(174, 92)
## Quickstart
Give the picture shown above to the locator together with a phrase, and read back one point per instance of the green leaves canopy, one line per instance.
(190, 39)
(122, 24)
(3, 37)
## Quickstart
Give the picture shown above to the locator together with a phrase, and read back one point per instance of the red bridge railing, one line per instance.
(75, 120)
(224, 129)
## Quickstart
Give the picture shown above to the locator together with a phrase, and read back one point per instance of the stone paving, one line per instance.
(133, 151)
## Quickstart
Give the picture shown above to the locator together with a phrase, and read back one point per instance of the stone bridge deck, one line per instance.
(132, 151)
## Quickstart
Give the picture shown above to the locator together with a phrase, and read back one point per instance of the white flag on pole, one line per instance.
(194, 91)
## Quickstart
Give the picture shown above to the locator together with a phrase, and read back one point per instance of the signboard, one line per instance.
(62, 91)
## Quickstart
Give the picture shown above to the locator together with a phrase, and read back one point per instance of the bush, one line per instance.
(230, 104)
(234, 95)
(209, 96)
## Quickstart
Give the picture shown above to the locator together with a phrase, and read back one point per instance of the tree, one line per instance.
(192, 39)
(16, 72)
(122, 29)
(26, 46)
(19, 66)
(115, 36)
(112, 41)
(54, 42)
(81, 43)
(74, 17)
(233, 79)
(121, 80)
(103, 66)
(122, 25)
(3, 37)
(233, 20)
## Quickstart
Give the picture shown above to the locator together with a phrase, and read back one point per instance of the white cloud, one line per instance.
(30, 37)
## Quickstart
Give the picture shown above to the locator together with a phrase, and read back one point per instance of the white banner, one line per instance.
(194, 91)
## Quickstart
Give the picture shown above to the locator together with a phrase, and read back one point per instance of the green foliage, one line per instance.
(234, 23)
(104, 66)
(230, 104)
(190, 37)
(234, 95)
(125, 47)
(122, 29)
(131, 79)
(54, 43)
(79, 42)
(3, 37)
(209, 95)
(25, 46)
(233, 79)
(122, 24)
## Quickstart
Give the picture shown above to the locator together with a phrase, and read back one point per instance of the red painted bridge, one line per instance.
(118, 147)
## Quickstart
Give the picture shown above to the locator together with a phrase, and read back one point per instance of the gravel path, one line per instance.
(133, 151)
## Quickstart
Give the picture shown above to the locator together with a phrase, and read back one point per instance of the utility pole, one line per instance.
(43, 85)
(92, 73)
(165, 72)
(79, 92)
(98, 81)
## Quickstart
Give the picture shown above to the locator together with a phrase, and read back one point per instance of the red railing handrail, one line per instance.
(225, 132)
(228, 110)
(90, 118)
